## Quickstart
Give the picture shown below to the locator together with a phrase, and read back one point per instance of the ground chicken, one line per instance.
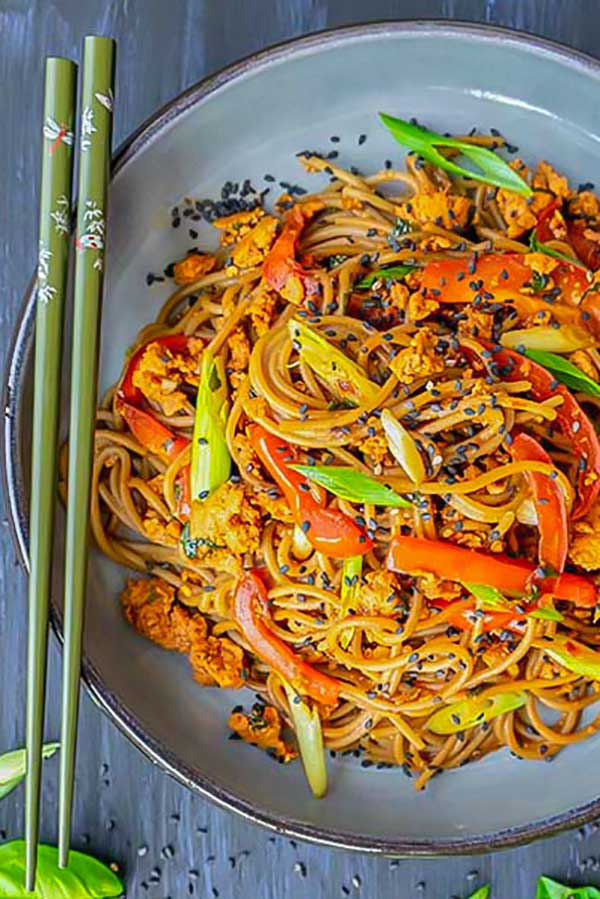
(262, 728)
(475, 322)
(541, 263)
(160, 374)
(156, 529)
(252, 249)
(446, 210)
(585, 545)
(546, 178)
(419, 359)
(374, 446)
(521, 213)
(273, 505)
(432, 587)
(377, 594)
(150, 606)
(414, 304)
(261, 310)
(218, 659)
(238, 225)
(239, 350)
(585, 205)
(193, 267)
(226, 520)
(584, 361)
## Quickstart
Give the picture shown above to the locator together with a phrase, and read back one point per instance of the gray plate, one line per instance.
(247, 121)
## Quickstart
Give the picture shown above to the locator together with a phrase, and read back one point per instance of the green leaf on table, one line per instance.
(565, 371)
(550, 889)
(492, 169)
(13, 767)
(391, 273)
(352, 485)
(84, 878)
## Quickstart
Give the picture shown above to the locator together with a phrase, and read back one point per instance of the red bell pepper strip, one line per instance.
(460, 614)
(544, 230)
(550, 504)
(176, 343)
(328, 530)
(585, 249)
(251, 612)
(415, 555)
(502, 275)
(571, 419)
(148, 431)
(281, 270)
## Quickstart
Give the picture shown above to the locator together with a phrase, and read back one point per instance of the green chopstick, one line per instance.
(53, 258)
(94, 163)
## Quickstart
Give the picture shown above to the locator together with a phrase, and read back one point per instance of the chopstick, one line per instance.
(53, 258)
(94, 162)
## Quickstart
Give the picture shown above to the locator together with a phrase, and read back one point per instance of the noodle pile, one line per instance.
(396, 654)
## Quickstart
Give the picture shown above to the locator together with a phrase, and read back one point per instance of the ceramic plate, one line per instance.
(246, 122)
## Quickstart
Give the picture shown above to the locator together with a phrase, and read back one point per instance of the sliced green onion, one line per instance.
(344, 377)
(13, 766)
(392, 273)
(493, 169)
(551, 889)
(351, 572)
(565, 371)
(482, 893)
(537, 246)
(547, 613)
(402, 446)
(574, 656)
(545, 338)
(210, 462)
(471, 712)
(301, 545)
(488, 597)
(352, 485)
(307, 727)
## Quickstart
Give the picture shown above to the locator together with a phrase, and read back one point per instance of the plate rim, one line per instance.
(19, 351)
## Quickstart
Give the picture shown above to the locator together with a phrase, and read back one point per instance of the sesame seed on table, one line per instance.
(167, 841)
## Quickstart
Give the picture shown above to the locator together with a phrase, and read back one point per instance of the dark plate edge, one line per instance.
(18, 355)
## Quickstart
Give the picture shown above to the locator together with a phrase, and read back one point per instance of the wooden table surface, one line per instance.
(169, 842)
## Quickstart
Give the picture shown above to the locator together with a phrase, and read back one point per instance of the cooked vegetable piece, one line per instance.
(565, 371)
(151, 433)
(573, 655)
(570, 417)
(307, 727)
(468, 713)
(415, 555)
(344, 377)
(211, 462)
(251, 612)
(391, 273)
(550, 504)
(352, 485)
(565, 339)
(492, 169)
(328, 530)
(402, 446)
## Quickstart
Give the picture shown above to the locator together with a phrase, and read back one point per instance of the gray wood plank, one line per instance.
(126, 809)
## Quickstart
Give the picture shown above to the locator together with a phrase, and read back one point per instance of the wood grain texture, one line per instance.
(169, 842)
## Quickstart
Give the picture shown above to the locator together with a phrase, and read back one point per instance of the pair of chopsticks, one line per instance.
(53, 261)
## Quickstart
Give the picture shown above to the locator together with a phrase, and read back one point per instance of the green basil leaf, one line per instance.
(84, 878)
(536, 246)
(392, 273)
(565, 371)
(550, 889)
(352, 485)
(482, 893)
(492, 168)
(471, 712)
(13, 767)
